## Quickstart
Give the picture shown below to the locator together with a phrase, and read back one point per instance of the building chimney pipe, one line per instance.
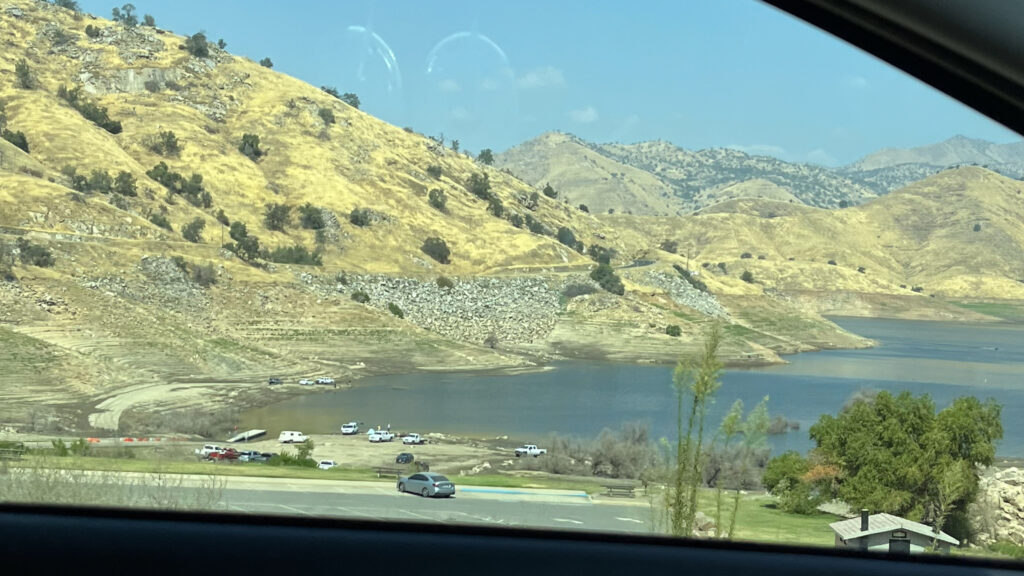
(863, 519)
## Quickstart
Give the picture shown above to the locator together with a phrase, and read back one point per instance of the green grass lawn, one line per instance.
(1005, 310)
(758, 520)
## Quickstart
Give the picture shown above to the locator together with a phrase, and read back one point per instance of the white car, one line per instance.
(326, 464)
(412, 439)
(381, 436)
(325, 380)
(292, 437)
(207, 449)
(350, 428)
(305, 382)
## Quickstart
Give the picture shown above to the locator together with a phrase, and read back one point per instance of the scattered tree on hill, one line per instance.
(245, 246)
(605, 277)
(250, 147)
(445, 283)
(327, 115)
(100, 181)
(434, 171)
(296, 254)
(360, 217)
(24, 75)
(66, 4)
(92, 31)
(192, 188)
(160, 220)
(832, 263)
(762, 257)
(276, 216)
(332, 91)
(360, 296)
(669, 246)
(721, 266)
(34, 254)
(148, 20)
(90, 111)
(917, 289)
(861, 269)
(583, 208)
(124, 184)
(151, 86)
(673, 330)
(165, 144)
(566, 236)
(577, 289)
(747, 276)
(600, 254)
(495, 207)
(611, 210)
(267, 63)
(536, 226)
(222, 217)
(350, 99)
(16, 138)
(221, 43)
(437, 249)
(549, 191)
(79, 182)
(485, 157)
(479, 185)
(197, 45)
(311, 217)
(515, 219)
(455, 146)
(437, 199)
(922, 465)
(193, 231)
(395, 310)
(125, 15)
(689, 277)
(204, 276)
(977, 227)
(746, 255)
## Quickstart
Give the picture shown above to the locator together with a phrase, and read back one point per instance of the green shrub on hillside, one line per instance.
(479, 185)
(577, 289)
(747, 276)
(193, 231)
(16, 138)
(34, 254)
(360, 296)
(605, 276)
(250, 147)
(267, 63)
(311, 217)
(485, 157)
(327, 115)
(124, 184)
(437, 249)
(23, 74)
(360, 217)
(693, 280)
(495, 207)
(296, 254)
(673, 330)
(197, 45)
(161, 221)
(434, 171)
(438, 200)
(88, 109)
(549, 191)
(277, 216)
(222, 217)
(445, 283)
(350, 99)
(394, 309)
(204, 276)
(100, 181)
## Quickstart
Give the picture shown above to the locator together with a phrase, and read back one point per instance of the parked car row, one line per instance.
(219, 453)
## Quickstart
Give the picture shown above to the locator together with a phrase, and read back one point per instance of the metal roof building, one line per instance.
(888, 533)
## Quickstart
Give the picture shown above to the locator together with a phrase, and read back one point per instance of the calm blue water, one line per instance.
(943, 359)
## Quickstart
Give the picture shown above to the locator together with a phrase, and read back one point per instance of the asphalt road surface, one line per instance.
(488, 506)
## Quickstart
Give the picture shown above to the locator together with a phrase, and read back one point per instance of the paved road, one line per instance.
(490, 506)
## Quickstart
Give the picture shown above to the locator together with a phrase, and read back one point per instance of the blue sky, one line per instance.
(700, 74)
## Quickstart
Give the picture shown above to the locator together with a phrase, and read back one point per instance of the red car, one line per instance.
(228, 454)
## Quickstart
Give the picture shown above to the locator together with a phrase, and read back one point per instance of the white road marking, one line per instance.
(629, 520)
(416, 515)
(296, 510)
(352, 511)
(567, 520)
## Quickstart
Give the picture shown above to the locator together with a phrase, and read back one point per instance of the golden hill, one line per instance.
(123, 322)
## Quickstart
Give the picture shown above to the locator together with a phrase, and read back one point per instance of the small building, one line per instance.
(888, 533)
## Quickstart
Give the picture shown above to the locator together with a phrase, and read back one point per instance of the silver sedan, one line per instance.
(426, 484)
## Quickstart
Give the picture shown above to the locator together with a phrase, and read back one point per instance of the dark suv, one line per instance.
(404, 458)
(274, 381)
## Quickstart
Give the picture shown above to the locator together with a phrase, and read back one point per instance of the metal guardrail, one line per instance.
(11, 453)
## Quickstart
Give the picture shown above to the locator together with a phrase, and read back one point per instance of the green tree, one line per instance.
(445, 283)
(350, 99)
(276, 216)
(360, 297)
(16, 138)
(161, 221)
(327, 115)
(34, 254)
(485, 157)
(221, 43)
(311, 217)
(24, 75)
(67, 4)
(250, 147)
(437, 199)
(479, 185)
(100, 181)
(897, 455)
(395, 310)
(124, 184)
(566, 236)
(148, 20)
(605, 276)
(673, 330)
(695, 381)
(360, 217)
(434, 171)
(495, 207)
(193, 231)
(455, 146)
(437, 249)
(977, 227)
(730, 428)
(332, 91)
(267, 63)
(126, 16)
(197, 45)
(549, 191)
(222, 217)
(747, 276)
(583, 208)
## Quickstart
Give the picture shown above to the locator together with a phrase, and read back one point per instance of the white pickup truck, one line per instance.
(412, 439)
(381, 436)
(530, 450)
(208, 449)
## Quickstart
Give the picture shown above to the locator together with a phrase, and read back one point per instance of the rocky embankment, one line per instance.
(682, 292)
(998, 513)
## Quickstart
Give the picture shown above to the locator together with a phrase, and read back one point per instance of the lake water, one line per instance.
(943, 359)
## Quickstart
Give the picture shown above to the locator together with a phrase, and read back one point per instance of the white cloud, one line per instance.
(449, 85)
(489, 85)
(855, 81)
(544, 77)
(586, 115)
(460, 113)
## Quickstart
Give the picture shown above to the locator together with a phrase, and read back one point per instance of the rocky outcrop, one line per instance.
(682, 292)
(998, 512)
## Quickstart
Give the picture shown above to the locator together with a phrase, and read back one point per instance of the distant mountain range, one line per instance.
(659, 178)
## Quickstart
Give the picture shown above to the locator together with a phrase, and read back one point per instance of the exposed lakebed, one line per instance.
(944, 359)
